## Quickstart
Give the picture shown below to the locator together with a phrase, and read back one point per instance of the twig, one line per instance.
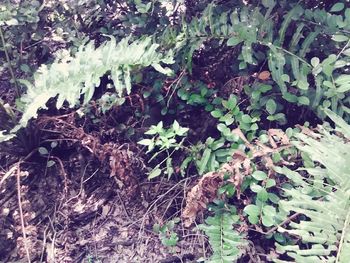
(343, 49)
(287, 220)
(21, 210)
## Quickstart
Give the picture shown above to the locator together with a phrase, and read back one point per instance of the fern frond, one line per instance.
(326, 231)
(77, 76)
(227, 244)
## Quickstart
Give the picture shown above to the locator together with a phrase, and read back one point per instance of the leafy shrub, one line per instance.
(301, 63)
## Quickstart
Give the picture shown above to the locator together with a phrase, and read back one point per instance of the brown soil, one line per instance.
(87, 217)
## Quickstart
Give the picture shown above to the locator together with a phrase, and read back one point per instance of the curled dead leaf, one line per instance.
(200, 195)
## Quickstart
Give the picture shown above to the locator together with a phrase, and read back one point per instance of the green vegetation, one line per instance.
(246, 102)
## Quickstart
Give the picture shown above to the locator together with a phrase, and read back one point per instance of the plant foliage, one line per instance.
(302, 67)
(323, 197)
(69, 78)
(227, 244)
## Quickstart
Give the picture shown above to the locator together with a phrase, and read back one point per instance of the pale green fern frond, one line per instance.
(323, 197)
(73, 77)
(227, 244)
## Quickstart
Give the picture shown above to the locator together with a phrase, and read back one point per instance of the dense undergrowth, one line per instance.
(249, 100)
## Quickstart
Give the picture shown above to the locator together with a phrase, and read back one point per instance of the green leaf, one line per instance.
(76, 77)
(274, 198)
(270, 183)
(246, 118)
(343, 79)
(303, 100)
(344, 88)
(253, 219)
(233, 41)
(43, 151)
(204, 161)
(328, 64)
(315, 61)
(271, 106)
(259, 175)
(176, 126)
(255, 188)
(50, 163)
(267, 220)
(154, 173)
(263, 195)
(268, 3)
(25, 68)
(145, 142)
(231, 103)
(252, 210)
(337, 7)
(340, 38)
(216, 113)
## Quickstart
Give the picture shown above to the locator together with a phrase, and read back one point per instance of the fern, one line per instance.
(72, 77)
(227, 244)
(288, 44)
(326, 231)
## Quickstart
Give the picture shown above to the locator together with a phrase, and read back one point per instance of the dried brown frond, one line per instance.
(205, 190)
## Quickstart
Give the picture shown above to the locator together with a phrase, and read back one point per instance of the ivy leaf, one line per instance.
(271, 106)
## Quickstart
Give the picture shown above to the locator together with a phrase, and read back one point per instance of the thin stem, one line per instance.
(9, 62)
(18, 177)
(343, 49)
(287, 52)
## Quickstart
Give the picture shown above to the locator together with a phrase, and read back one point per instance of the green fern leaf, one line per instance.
(227, 244)
(72, 77)
(295, 13)
(327, 228)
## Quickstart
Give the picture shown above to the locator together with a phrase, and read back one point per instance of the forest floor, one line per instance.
(75, 211)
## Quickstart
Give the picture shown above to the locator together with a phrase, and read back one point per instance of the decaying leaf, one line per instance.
(276, 135)
(264, 75)
(200, 195)
(205, 190)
